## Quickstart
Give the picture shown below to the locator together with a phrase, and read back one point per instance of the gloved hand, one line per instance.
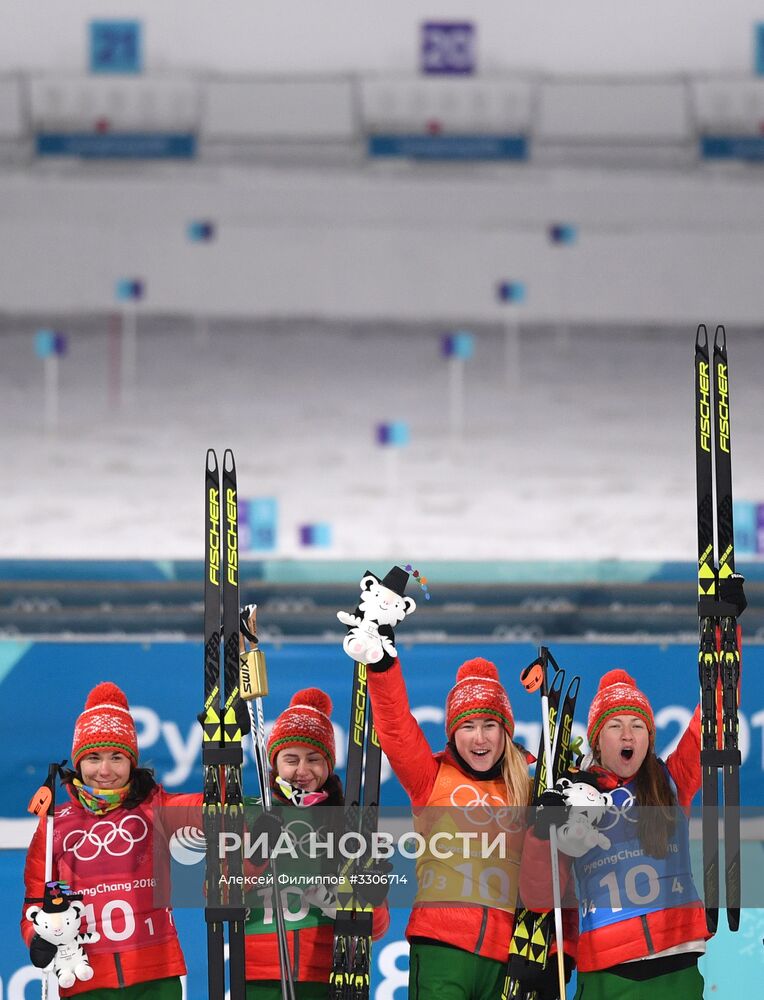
(540, 980)
(321, 896)
(270, 824)
(731, 591)
(551, 810)
(41, 952)
(374, 885)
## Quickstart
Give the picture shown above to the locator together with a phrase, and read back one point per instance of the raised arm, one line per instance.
(399, 734)
(684, 763)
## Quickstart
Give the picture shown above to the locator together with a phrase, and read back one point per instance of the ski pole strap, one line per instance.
(721, 758)
(710, 607)
(230, 754)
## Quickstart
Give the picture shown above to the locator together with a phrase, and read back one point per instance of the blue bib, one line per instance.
(625, 882)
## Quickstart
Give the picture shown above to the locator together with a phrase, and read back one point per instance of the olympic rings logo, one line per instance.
(620, 810)
(115, 839)
(482, 810)
(302, 836)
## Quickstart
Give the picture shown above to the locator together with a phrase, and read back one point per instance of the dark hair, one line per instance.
(142, 784)
(657, 806)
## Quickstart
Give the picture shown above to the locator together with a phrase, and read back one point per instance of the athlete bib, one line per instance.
(625, 882)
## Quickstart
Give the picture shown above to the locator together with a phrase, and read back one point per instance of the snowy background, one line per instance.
(317, 314)
(583, 450)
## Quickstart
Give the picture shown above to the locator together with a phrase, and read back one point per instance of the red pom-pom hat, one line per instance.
(618, 694)
(105, 724)
(306, 722)
(478, 693)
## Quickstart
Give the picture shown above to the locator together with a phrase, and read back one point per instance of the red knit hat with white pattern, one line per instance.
(305, 722)
(105, 724)
(478, 693)
(618, 694)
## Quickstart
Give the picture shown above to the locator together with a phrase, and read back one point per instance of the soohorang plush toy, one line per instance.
(586, 806)
(57, 921)
(383, 604)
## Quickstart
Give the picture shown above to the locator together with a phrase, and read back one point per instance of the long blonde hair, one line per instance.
(514, 771)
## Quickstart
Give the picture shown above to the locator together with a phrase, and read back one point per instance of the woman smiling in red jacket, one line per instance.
(461, 922)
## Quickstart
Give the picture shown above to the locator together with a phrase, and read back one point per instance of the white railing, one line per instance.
(116, 104)
(728, 107)
(559, 112)
(498, 106)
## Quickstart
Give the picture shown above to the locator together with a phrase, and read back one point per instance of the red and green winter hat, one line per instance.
(478, 694)
(305, 722)
(618, 694)
(105, 724)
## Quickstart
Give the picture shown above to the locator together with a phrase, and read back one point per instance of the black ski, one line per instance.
(212, 732)
(532, 933)
(350, 977)
(235, 721)
(719, 640)
(222, 729)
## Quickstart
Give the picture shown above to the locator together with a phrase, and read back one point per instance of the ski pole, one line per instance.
(43, 803)
(253, 685)
(534, 678)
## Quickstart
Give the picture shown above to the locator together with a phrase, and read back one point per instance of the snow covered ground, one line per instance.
(584, 450)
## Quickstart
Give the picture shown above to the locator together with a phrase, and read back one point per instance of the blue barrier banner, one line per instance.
(327, 571)
(43, 687)
(731, 147)
(117, 145)
(449, 147)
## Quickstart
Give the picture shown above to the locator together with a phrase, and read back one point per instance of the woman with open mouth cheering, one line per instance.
(643, 924)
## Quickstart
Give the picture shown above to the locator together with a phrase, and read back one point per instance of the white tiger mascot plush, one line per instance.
(383, 604)
(57, 921)
(586, 806)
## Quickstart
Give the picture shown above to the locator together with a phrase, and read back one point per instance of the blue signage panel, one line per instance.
(459, 345)
(258, 523)
(758, 51)
(160, 682)
(731, 147)
(450, 147)
(115, 47)
(448, 47)
(117, 145)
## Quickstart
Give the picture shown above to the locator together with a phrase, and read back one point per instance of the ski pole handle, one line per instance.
(45, 797)
(534, 677)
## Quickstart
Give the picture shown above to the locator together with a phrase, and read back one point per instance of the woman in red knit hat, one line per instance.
(301, 753)
(643, 925)
(103, 847)
(461, 921)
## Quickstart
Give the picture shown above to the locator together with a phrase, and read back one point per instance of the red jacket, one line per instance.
(110, 860)
(638, 936)
(481, 929)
